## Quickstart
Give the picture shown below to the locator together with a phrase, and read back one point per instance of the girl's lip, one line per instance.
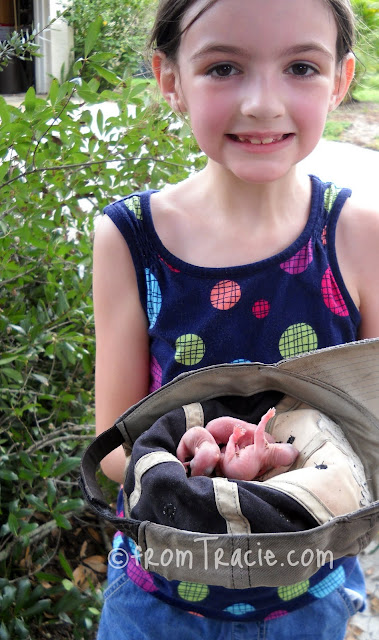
(259, 143)
(259, 138)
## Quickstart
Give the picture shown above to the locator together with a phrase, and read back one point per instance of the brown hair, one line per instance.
(167, 30)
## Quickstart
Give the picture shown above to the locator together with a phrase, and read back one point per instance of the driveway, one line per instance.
(347, 166)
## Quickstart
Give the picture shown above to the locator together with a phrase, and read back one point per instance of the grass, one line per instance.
(367, 94)
(333, 129)
(357, 121)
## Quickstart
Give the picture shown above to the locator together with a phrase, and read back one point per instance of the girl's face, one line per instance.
(257, 79)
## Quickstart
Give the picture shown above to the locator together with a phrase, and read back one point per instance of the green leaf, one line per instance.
(49, 577)
(65, 566)
(69, 505)
(111, 77)
(13, 524)
(25, 529)
(8, 595)
(5, 114)
(51, 492)
(38, 607)
(23, 590)
(67, 584)
(7, 474)
(4, 635)
(7, 360)
(62, 522)
(101, 57)
(92, 35)
(30, 99)
(54, 90)
(20, 628)
(40, 378)
(37, 502)
(67, 465)
(12, 374)
(89, 96)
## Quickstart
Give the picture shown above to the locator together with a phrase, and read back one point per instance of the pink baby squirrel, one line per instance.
(249, 451)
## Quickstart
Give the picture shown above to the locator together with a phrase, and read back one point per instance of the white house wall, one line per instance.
(56, 43)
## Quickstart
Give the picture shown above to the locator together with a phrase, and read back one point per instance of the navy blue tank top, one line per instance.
(285, 305)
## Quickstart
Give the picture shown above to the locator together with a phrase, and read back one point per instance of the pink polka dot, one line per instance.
(276, 614)
(332, 295)
(140, 577)
(155, 375)
(261, 308)
(300, 261)
(225, 295)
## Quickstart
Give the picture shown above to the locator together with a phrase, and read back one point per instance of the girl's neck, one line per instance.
(209, 220)
(265, 203)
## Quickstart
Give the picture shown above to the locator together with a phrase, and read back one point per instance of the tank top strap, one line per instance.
(329, 201)
(335, 199)
(130, 217)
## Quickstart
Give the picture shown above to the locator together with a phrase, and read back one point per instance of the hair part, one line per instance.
(168, 26)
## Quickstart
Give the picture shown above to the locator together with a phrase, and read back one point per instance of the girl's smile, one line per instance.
(261, 142)
(257, 79)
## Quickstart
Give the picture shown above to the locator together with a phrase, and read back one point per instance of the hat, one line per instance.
(341, 384)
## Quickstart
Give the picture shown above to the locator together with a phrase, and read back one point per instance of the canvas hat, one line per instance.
(337, 391)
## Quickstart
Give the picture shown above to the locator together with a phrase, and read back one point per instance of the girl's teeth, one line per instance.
(258, 141)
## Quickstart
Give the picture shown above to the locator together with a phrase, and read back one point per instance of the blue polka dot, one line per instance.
(117, 540)
(154, 297)
(240, 609)
(328, 584)
(132, 546)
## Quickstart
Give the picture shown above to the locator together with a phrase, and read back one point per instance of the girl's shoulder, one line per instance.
(360, 219)
(357, 243)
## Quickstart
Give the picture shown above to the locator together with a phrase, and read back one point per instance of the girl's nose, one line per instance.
(262, 98)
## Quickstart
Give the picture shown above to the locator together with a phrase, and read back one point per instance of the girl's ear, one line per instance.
(343, 81)
(167, 76)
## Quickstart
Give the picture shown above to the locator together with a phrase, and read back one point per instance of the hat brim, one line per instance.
(341, 381)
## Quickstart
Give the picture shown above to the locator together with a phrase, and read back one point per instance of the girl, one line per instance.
(248, 260)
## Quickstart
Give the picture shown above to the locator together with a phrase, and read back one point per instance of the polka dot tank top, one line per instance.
(285, 305)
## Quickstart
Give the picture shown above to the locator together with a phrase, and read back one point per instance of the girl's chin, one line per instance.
(255, 175)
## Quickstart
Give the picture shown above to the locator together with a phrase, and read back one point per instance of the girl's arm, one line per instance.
(358, 253)
(122, 351)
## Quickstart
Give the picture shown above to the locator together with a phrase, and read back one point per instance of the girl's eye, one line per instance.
(302, 69)
(222, 71)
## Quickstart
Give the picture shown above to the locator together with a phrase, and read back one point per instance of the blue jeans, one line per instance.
(129, 613)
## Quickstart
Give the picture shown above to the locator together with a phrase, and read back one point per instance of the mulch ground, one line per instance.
(364, 123)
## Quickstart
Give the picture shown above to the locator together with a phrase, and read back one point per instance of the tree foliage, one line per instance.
(367, 46)
(20, 45)
(62, 159)
(124, 25)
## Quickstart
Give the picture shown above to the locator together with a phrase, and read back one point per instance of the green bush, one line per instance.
(62, 159)
(124, 25)
(367, 47)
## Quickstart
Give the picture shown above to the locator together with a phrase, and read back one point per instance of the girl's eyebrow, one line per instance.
(308, 47)
(214, 47)
(297, 49)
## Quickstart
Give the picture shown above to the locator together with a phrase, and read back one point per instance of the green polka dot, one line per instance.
(189, 349)
(330, 197)
(134, 204)
(298, 338)
(293, 590)
(192, 591)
